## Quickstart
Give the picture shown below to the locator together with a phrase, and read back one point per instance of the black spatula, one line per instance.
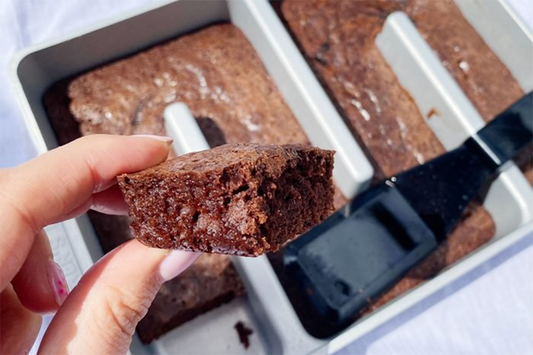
(363, 249)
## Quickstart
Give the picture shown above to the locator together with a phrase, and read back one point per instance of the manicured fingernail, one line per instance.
(57, 281)
(159, 138)
(175, 263)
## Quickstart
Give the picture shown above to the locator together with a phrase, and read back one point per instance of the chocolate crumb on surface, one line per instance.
(244, 333)
(432, 113)
(239, 199)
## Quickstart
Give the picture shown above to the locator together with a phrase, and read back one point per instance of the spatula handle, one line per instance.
(440, 189)
(508, 133)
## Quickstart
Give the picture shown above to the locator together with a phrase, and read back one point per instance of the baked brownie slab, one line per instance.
(241, 199)
(215, 71)
(337, 38)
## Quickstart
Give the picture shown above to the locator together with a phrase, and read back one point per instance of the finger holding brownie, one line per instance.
(100, 314)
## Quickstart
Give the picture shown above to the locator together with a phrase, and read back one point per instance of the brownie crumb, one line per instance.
(432, 113)
(244, 333)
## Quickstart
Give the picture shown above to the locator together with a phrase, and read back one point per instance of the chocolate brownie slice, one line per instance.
(240, 199)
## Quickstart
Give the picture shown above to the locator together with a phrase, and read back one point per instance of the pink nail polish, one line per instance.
(57, 281)
(159, 138)
(175, 263)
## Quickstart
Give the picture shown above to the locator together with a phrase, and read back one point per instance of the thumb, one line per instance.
(101, 313)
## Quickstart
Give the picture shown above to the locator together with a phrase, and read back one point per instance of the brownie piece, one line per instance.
(244, 333)
(337, 39)
(241, 199)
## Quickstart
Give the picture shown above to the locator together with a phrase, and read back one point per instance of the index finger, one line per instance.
(47, 188)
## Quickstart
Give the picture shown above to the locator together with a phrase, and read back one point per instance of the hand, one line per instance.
(101, 313)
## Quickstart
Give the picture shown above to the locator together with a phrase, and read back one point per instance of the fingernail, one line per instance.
(175, 263)
(57, 281)
(159, 138)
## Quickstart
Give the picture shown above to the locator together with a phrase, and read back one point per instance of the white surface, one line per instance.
(490, 315)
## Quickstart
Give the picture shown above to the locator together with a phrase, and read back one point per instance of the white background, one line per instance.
(489, 311)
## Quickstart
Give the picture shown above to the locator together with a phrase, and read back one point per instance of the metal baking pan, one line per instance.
(266, 308)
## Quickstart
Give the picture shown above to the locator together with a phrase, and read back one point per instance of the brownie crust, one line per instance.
(238, 199)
